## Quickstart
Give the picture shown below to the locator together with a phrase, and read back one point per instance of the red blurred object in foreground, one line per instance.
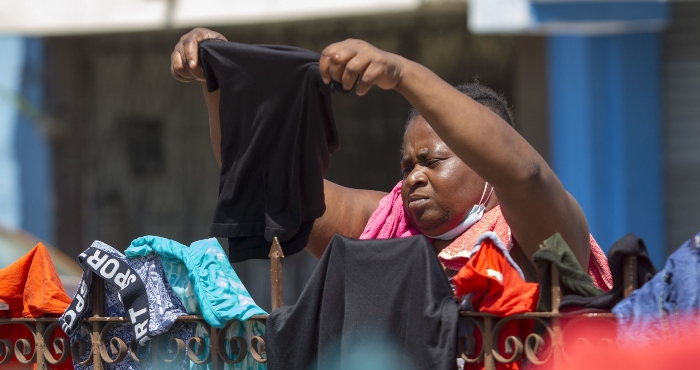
(595, 354)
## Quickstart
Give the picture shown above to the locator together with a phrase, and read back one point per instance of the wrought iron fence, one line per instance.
(548, 344)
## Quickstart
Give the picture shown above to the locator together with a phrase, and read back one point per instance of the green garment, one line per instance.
(572, 278)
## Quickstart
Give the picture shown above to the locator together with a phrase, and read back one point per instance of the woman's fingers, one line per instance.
(334, 60)
(184, 61)
(354, 70)
(177, 69)
(336, 70)
(190, 47)
(368, 78)
(323, 68)
(355, 63)
(338, 63)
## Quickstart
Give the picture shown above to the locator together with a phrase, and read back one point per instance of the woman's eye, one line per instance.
(432, 163)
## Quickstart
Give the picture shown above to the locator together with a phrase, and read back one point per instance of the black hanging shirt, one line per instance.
(277, 134)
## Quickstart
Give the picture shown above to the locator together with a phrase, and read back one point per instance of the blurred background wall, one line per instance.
(112, 148)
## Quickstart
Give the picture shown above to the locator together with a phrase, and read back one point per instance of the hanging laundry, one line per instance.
(496, 281)
(628, 245)
(203, 279)
(113, 307)
(496, 285)
(31, 288)
(667, 307)
(134, 288)
(277, 134)
(572, 278)
(203, 272)
(371, 289)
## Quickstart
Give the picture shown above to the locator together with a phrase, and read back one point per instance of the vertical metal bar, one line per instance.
(216, 362)
(276, 278)
(489, 361)
(630, 274)
(39, 346)
(155, 347)
(557, 343)
(556, 290)
(98, 301)
(556, 322)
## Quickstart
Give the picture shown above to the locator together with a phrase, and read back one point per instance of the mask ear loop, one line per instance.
(486, 184)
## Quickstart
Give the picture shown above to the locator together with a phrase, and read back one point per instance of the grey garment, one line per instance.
(163, 308)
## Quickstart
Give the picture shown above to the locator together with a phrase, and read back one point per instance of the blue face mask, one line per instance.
(472, 217)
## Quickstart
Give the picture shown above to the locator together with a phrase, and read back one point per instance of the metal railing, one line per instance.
(545, 345)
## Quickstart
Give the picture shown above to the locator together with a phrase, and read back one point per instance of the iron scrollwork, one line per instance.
(61, 346)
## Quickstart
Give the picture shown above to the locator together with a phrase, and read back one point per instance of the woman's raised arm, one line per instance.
(532, 198)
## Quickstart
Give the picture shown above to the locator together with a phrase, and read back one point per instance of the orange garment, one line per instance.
(31, 287)
(499, 289)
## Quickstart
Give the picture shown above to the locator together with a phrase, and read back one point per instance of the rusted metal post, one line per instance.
(556, 290)
(98, 310)
(557, 349)
(276, 278)
(39, 346)
(489, 360)
(630, 274)
(216, 362)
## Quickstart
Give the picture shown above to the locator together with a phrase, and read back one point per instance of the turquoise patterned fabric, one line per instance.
(202, 277)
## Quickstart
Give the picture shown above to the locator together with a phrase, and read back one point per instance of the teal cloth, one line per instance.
(202, 277)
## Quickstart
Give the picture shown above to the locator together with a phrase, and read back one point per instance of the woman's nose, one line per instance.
(416, 177)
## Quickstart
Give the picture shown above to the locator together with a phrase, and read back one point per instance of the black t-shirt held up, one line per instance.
(277, 134)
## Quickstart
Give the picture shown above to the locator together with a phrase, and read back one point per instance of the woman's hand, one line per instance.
(356, 63)
(184, 61)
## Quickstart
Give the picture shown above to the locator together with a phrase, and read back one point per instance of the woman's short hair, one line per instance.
(483, 95)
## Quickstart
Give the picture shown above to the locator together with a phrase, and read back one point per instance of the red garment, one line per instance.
(457, 253)
(31, 287)
(499, 289)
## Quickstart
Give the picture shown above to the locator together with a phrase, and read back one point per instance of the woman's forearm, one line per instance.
(212, 99)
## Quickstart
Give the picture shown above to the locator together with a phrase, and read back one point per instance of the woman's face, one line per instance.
(438, 188)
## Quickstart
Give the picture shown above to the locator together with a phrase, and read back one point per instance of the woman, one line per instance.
(457, 154)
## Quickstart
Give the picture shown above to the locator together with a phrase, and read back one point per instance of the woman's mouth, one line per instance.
(417, 201)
